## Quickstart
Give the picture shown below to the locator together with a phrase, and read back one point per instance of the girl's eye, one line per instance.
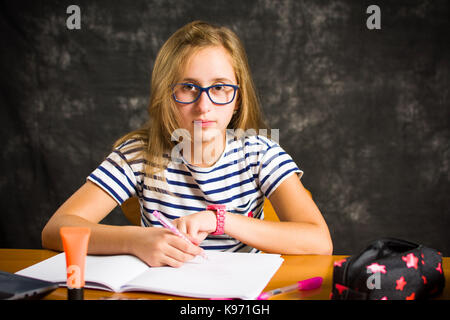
(218, 88)
(187, 87)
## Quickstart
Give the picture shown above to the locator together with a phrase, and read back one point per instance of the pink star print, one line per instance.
(339, 263)
(400, 283)
(411, 297)
(439, 268)
(340, 288)
(375, 267)
(411, 261)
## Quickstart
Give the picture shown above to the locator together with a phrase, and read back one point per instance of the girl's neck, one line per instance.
(206, 153)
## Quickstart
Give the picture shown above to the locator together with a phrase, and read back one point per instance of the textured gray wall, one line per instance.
(365, 113)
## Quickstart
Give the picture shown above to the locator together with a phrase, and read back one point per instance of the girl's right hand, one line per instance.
(159, 247)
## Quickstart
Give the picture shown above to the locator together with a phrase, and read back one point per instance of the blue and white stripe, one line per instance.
(247, 172)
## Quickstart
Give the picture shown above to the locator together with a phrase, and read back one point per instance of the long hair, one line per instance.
(162, 109)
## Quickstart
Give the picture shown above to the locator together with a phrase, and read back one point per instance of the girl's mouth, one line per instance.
(204, 123)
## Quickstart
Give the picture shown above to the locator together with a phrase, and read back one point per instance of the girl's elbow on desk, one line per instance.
(315, 241)
(325, 246)
(48, 239)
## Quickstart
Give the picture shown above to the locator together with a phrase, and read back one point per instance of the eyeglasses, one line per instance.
(220, 94)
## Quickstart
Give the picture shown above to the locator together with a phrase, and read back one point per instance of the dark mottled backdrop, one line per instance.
(364, 113)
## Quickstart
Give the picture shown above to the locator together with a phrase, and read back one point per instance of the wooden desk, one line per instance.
(294, 268)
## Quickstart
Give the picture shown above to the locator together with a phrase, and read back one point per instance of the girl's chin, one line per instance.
(207, 135)
(209, 138)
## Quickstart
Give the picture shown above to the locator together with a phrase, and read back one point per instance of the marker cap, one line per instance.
(310, 284)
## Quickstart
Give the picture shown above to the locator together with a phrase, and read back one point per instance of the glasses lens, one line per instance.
(185, 92)
(221, 93)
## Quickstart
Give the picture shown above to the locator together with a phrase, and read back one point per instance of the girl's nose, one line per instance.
(203, 104)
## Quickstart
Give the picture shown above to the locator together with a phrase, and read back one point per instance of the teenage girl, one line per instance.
(199, 151)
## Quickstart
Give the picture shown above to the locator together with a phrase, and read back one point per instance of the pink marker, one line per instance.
(307, 284)
(168, 225)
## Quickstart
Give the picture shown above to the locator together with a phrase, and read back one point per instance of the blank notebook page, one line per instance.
(224, 274)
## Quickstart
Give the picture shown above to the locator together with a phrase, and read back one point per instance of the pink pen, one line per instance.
(168, 225)
(307, 284)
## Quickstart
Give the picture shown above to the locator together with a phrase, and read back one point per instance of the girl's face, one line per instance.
(206, 67)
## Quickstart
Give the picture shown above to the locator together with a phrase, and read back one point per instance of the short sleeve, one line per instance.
(116, 176)
(275, 166)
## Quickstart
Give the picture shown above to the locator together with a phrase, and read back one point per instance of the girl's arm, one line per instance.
(89, 205)
(301, 230)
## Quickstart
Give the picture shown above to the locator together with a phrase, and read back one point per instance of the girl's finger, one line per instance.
(179, 252)
(171, 262)
(180, 224)
(189, 250)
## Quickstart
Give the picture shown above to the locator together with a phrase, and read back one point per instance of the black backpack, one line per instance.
(389, 269)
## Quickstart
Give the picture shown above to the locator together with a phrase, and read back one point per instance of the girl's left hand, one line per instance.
(197, 226)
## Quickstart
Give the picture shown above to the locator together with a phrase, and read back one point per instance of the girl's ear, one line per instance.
(236, 108)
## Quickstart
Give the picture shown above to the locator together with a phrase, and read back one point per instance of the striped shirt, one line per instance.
(247, 172)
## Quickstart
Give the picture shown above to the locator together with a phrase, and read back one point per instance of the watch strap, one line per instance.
(220, 218)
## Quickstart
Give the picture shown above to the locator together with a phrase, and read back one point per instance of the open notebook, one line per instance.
(222, 275)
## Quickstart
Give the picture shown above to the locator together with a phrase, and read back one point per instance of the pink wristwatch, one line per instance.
(220, 216)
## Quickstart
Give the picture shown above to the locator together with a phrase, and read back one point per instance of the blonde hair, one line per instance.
(162, 109)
